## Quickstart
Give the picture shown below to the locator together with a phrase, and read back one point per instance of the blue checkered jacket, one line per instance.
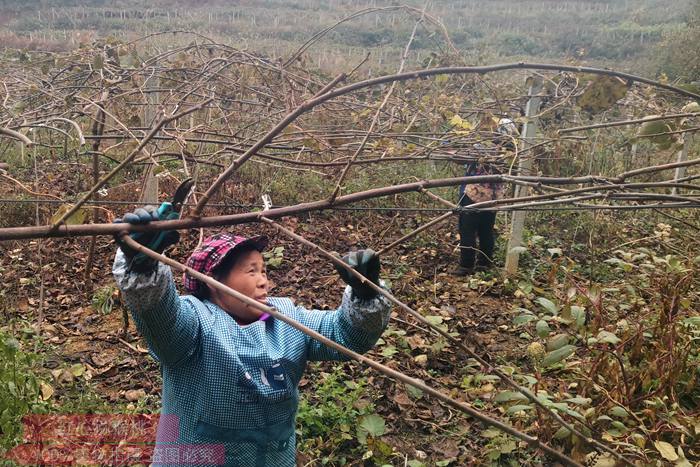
(233, 385)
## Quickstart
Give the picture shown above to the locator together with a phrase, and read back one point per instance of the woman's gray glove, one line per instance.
(366, 262)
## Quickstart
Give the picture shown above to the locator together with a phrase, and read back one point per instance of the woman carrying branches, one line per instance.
(230, 372)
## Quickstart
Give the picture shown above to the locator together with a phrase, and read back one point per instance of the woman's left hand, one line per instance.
(366, 262)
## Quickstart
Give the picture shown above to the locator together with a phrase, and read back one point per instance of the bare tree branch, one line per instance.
(16, 135)
(626, 122)
(125, 162)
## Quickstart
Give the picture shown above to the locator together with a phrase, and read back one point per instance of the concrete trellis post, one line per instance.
(682, 156)
(149, 195)
(524, 165)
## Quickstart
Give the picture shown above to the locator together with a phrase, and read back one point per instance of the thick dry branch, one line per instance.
(16, 135)
(425, 226)
(439, 199)
(611, 207)
(251, 152)
(654, 196)
(98, 127)
(17, 233)
(674, 132)
(338, 79)
(374, 160)
(378, 112)
(503, 67)
(656, 168)
(539, 204)
(316, 37)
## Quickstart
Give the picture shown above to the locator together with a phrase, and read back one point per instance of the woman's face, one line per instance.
(249, 277)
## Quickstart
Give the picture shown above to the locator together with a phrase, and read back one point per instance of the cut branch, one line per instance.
(420, 229)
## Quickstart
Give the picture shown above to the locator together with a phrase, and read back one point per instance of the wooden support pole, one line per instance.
(524, 166)
(149, 193)
(682, 157)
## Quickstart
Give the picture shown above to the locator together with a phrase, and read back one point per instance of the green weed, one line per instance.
(20, 389)
(328, 419)
(648, 366)
(104, 298)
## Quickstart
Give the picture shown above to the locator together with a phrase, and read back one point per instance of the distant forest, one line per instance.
(598, 31)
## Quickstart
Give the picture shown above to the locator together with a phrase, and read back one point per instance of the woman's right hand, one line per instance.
(157, 241)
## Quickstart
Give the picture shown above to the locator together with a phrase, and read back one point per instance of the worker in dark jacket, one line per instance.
(479, 225)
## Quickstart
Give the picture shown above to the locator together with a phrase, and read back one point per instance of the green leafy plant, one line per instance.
(104, 298)
(369, 430)
(334, 420)
(647, 368)
(21, 392)
(499, 445)
(274, 257)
